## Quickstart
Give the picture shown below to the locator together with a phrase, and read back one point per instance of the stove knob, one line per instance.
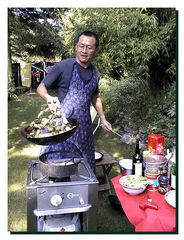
(56, 200)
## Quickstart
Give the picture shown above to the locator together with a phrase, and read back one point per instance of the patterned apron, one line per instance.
(76, 104)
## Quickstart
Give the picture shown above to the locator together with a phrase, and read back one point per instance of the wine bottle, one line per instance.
(137, 168)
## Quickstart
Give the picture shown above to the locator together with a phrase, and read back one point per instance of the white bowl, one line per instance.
(133, 184)
(126, 166)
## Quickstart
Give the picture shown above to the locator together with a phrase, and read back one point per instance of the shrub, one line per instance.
(129, 102)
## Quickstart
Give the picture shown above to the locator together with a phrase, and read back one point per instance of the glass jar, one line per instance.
(163, 184)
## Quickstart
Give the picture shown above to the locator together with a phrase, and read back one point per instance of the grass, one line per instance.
(20, 113)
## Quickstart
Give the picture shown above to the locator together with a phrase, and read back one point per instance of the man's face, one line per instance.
(85, 50)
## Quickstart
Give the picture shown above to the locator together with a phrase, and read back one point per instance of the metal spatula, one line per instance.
(117, 133)
(125, 138)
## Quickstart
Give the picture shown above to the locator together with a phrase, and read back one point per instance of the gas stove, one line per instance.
(50, 199)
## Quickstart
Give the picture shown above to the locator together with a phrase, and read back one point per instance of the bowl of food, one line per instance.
(133, 184)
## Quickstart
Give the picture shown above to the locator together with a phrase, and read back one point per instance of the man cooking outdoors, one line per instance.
(76, 80)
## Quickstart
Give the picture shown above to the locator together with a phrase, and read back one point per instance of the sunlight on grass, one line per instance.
(12, 130)
(18, 222)
(116, 155)
(32, 151)
(15, 187)
(23, 124)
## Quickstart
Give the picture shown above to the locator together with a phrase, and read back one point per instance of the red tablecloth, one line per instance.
(147, 220)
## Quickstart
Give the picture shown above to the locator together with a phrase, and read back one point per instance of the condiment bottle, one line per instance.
(152, 175)
(163, 184)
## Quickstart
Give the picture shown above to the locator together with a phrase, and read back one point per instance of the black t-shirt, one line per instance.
(85, 74)
(60, 75)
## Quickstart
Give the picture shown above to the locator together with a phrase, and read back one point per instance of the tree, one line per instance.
(132, 40)
(33, 33)
(129, 37)
(162, 67)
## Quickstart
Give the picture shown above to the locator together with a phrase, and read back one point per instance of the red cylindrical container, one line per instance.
(155, 141)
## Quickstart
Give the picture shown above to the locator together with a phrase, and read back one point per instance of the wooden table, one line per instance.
(106, 165)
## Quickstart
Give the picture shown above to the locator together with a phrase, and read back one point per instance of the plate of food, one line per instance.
(170, 198)
(98, 156)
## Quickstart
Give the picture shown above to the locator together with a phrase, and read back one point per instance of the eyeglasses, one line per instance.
(88, 47)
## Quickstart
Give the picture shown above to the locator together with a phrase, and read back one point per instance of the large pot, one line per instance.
(58, 164)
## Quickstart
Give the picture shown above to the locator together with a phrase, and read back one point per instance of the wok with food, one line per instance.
(50, 127)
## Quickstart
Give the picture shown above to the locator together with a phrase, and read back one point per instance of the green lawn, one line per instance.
(20, 113)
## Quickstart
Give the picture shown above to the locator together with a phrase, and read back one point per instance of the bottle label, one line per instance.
(138, 169)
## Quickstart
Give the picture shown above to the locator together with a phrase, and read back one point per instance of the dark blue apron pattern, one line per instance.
(76, 104)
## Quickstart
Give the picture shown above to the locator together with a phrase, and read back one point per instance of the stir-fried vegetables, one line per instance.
(49, 124)
(134, 181)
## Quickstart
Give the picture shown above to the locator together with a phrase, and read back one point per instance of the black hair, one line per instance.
(89, 34)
